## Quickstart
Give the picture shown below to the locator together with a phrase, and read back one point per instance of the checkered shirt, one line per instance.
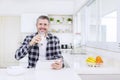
(52, 50)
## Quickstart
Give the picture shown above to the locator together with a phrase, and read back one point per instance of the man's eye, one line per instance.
(45, 24)
(40, 24)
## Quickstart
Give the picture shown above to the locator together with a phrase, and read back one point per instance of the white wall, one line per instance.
(78, 4)
(107, 8)
(17, 7)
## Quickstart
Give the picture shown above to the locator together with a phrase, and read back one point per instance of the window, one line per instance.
(108, 27)
(101, 24)
(91, 21)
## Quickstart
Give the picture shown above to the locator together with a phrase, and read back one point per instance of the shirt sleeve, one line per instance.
(24, 49)
(58, 51)
(57, 48)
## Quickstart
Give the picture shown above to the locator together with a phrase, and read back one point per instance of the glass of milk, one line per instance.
(42, 36)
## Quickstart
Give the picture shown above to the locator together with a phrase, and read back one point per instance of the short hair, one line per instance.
(43, 17)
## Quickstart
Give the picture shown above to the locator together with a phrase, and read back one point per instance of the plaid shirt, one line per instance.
(52, 50)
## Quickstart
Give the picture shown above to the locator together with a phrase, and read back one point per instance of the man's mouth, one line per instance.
(42, 29)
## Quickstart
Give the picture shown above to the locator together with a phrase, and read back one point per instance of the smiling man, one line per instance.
(41, 45)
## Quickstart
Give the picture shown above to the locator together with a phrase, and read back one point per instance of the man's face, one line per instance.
(42, 25)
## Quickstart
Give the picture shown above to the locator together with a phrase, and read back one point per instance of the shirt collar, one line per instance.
(48, 35)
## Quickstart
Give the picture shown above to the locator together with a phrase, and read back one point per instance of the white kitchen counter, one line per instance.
(78, 64)
(43, 74)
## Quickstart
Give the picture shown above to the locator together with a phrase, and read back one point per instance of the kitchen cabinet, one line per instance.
(1, 41)
(9, 39)
(79, 28)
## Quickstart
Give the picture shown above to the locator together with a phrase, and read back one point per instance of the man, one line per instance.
(41, 45)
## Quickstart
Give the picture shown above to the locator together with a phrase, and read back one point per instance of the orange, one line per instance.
(99, 60)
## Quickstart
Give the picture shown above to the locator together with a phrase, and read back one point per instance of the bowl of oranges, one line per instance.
(94, 61)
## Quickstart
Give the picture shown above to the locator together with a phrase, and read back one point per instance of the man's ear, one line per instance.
(49, 24)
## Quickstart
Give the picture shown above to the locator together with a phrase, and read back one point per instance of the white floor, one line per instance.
(101, 77)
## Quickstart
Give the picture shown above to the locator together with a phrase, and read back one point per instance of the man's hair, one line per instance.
(43, 17)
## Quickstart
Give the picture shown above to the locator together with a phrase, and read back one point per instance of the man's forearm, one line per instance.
(22, 51)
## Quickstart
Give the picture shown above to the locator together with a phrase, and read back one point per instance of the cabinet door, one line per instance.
(1, 42)
(10, 37)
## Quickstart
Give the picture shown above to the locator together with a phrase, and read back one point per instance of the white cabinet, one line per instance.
(1, 41)
(9, 39)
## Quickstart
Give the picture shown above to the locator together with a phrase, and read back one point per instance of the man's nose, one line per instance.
(42, 25)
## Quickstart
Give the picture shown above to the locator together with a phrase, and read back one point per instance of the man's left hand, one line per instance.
(57, 65)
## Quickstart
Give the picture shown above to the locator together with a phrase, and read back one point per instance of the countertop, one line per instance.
(41, 74)
(78, 64)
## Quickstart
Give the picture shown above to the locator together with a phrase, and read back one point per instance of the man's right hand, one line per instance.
(35, 39)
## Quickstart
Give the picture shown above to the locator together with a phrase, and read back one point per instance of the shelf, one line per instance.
(61, 33)
(61, 23)
(63, 26)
